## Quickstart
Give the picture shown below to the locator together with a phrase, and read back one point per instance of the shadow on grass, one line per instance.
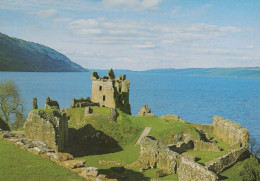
(123, 174)
(221, 177)
(89, 141)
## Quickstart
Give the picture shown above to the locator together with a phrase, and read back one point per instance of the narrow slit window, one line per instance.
(100, 88)
(120, 89)
(104, 98)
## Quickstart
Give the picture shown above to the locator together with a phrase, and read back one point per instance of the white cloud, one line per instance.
(146, 45)
(131, 4)
(213, 51)
(61, 20)
(206, 6)
(82, 23)
(250, 46)
(46, 13)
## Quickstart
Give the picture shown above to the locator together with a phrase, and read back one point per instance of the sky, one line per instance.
(140, 34)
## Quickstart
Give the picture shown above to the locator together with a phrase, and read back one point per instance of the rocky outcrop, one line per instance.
(219, 164)
(230, 132)
(3, 125)
(51, 128)
(145, 111)
(51, 104)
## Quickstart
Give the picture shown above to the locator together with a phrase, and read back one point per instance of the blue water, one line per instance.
(195, 99)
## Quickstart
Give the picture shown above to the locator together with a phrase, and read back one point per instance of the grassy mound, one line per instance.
(125, 132)
(128, 128)
(18, 164)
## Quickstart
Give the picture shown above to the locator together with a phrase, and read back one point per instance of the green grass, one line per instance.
(129, 154)
(242, 169)
(221, 143)
(161, 129)
(18, 164)
(205, 156)
(102, 110)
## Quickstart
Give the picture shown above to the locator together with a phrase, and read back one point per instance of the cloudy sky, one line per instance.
(140, 34)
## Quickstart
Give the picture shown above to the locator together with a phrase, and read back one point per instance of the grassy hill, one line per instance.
(18, 164)
(23, 56)
(242, 72)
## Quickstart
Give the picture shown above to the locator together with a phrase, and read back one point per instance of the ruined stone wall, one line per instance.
(103, 93)
(189, 170)
(82, 102)
(156, 155)
(219, 164)
(230, 132)
(111, 92)
(50, 128)
(205, 146)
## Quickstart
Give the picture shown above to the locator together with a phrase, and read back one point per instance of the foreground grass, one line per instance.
(248, 169)
(18, 164)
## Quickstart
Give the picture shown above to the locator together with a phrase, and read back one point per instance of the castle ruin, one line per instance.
(111, 92)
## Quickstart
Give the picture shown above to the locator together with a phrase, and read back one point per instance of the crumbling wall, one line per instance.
(51, 104)
(206, 146)
(156, 155)
(82, 102)
(111, 92)
(51, 128)
(189, 170)
(145, 111)
(219, 164)
(230, 132)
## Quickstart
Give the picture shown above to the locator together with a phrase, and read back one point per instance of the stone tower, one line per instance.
(111, 92)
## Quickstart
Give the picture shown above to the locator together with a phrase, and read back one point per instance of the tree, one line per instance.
(11, 109)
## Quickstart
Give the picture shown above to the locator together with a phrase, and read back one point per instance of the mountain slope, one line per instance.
(24, 56)
(242, 72)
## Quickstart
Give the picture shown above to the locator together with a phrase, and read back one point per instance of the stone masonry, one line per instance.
(51, 128)
(111, 92)
(230, 132)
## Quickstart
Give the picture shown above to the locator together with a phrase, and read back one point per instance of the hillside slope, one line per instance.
(23, 56)
(241, 72)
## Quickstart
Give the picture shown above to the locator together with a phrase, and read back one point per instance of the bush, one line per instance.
(251, 169)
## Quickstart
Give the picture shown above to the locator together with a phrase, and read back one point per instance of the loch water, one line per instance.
(194, 99)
